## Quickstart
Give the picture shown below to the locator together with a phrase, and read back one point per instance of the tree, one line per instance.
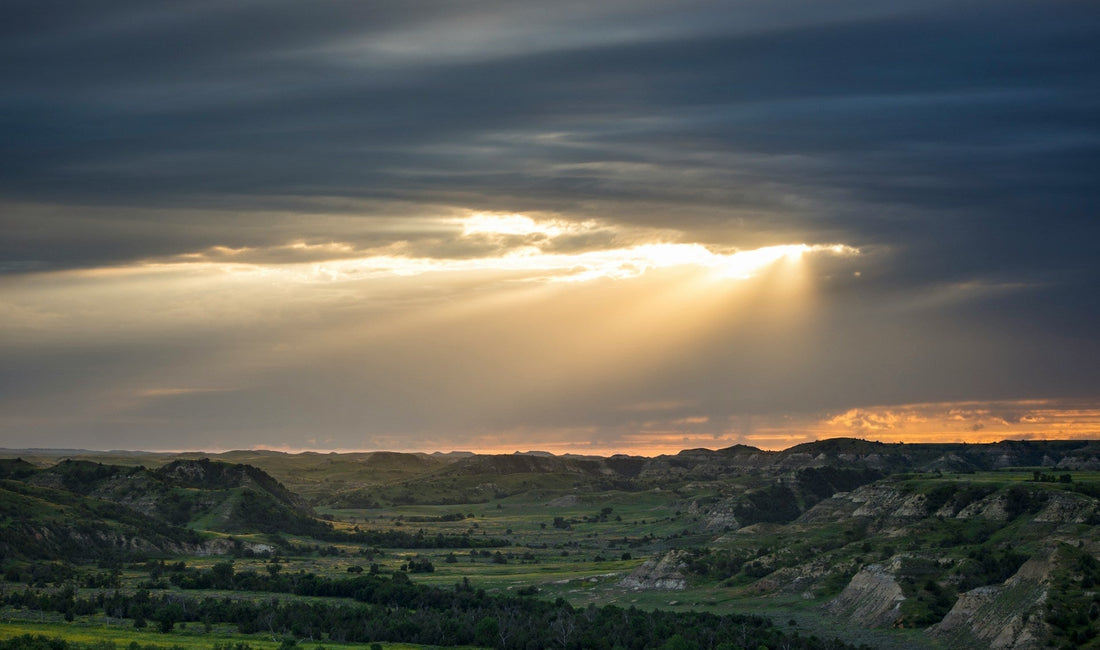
(676, 642)
(486, 631)
(562, 627)
(165, 622)
(222, 575)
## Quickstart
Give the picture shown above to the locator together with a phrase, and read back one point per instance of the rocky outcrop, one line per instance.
(227, 546)
(1068, 508)
(993, 508)
(665, 573)
(872, 599)
(1008, 616)
(878, 501)
(717, 516)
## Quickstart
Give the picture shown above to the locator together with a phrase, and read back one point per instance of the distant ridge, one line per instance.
(380, 478)
(842, 445)
(740, 449)
(75, 452)
(827, 446)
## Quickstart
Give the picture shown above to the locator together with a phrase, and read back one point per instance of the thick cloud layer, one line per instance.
(170, 172)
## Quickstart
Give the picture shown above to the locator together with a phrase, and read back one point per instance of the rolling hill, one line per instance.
(81, 508)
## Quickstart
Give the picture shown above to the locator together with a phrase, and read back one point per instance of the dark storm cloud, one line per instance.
(983, 114)
(956, 144)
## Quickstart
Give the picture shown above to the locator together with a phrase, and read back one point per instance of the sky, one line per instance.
(580, 227)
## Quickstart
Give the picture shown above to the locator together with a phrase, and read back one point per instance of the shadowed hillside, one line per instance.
(83, 508)
(49, 523)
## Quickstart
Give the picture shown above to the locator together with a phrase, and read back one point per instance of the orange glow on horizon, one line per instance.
(1063, 421)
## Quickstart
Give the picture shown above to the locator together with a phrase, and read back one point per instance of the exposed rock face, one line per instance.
(61, 541)
(994, 508)
(881, 502)
(1000, 616)
(721, 520)
(223, 546)
(665, 573)
(718, 516)
(872, 599)
(1068, 508)
(1080, 463)
(801, 580)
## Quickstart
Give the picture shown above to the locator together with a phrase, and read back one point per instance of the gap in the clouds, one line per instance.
(515, 244)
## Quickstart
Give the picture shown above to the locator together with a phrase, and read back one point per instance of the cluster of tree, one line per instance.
(601, 516)
(263, 512)
(1020, 500)
(1073, 604)
(178, 506)
(396, 610)
(719, 565)
(419, 539)
(925, 603)
(451, 516)
(40, 573)
(41, 642)
(819, 483)
(81, 476)
(16, 468)
(206, 474)
(931, 592)
(930, 595)
(52, 524)
(783, 502)
(300, 550)
(1043, 477)
(419, 565)
(773, 504)
(987, 565)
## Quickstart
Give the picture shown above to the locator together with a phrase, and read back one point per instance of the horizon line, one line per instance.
(530, 452)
